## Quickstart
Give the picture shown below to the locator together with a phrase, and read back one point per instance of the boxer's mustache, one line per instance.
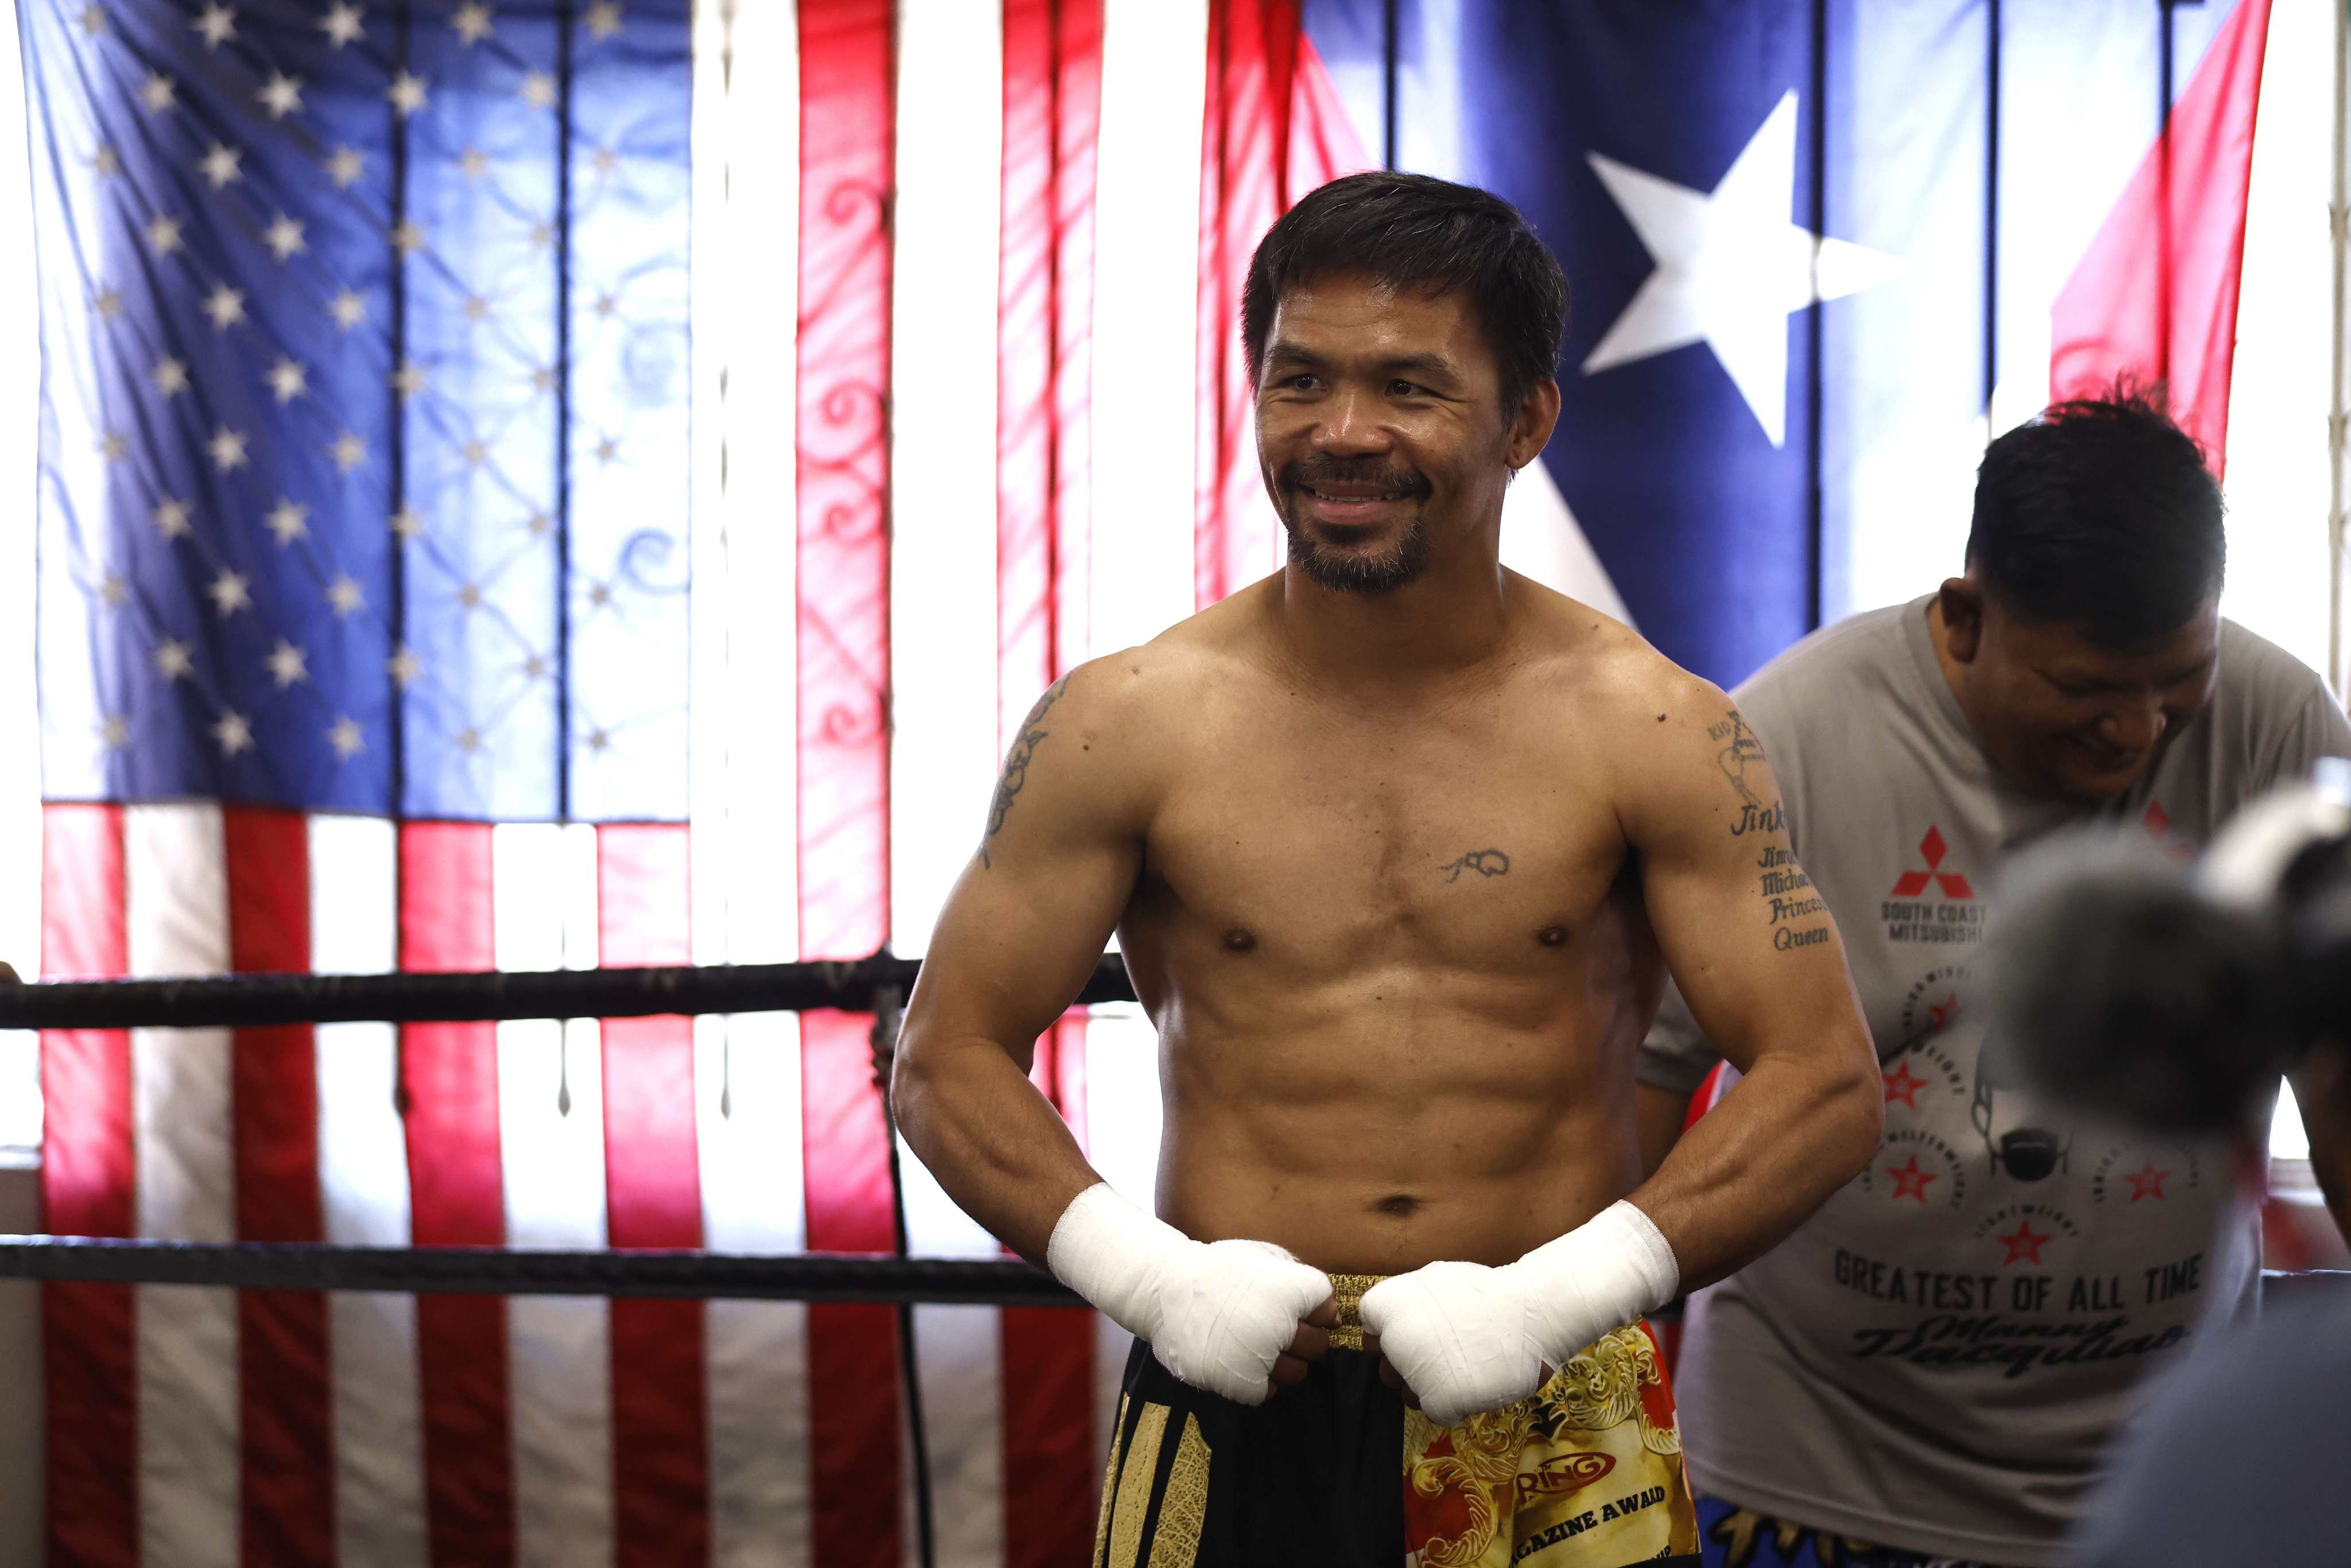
(1363, 473)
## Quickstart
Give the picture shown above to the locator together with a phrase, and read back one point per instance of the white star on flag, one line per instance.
(343, 167)
(114, 446)
(172, 659)
(542, 235)
(603, 19)
(407, 523)
(157, 92)
(229, 593)
(289, 520)
(114, 732)
(469, 739)
(476, 452)
(114, 589)
(342, 24)
(539, 89)
(288, 664)
(170, 378)
(283, 238)
(233, 733)
(225, 306)
(409, 380)
(407, 93)
(605, 161)
(92, 20)
(281, 96)
(227, 448)
(403, 667)
(289, 379)
(220, 165)
(218, 25)
(1731, 267)
(476, 308)
(349, 451)
(408, 237)
(344, 594)
(106, 163)
(473, 162)
(348, 309)
(473, 23)
(109, 303)
(345, 737)
(170, 515)
(162, 234)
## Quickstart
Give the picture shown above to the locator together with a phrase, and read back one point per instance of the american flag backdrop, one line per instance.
(530, 485)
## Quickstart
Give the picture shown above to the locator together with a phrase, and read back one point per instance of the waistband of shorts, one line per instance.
(1348, 1289)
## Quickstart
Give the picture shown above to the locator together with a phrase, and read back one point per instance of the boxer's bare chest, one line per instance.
(1476, 836)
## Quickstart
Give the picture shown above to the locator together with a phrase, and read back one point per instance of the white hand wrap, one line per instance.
(1467, 1338)
(1215, 1312)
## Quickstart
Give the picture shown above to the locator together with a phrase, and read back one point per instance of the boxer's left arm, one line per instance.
(1756, 954)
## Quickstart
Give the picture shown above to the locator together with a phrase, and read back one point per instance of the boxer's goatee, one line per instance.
(1352, 572)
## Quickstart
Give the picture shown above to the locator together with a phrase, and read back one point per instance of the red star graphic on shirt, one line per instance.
(1909, 1181)
(2025, 1247)
(2147, 1181)
(1900, 1085)
(1938, 1013)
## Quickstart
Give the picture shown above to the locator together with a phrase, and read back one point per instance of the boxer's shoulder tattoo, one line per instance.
(1740, 751)
(1485, 862)
(1015, 766)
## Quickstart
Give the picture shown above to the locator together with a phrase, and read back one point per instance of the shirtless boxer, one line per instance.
(1399, 848)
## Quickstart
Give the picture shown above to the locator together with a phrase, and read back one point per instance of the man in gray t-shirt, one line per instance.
(1934, 1360)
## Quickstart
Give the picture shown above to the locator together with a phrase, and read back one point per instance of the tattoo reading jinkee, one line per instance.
(1485, 862)
(1015, 766)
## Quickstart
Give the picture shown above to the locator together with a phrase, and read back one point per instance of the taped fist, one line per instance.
(1231, 1317)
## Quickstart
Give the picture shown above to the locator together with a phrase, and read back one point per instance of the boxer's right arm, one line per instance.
(1018, 937)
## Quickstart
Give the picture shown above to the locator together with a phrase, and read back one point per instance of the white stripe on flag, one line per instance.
(176, 893)
(551, 1127)
(1146, 258)
(744, 834)
(942, 452)
(943, 672)
(363, 1172)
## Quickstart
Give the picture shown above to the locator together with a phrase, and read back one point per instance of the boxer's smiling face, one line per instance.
(2064, 714)
(1382, 433)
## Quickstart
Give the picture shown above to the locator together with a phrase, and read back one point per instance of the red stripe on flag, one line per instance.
(661, 1423)
(1273, 129)
(285, 1426)
(847, 115)
(1052, 1456)
(449, 1093)
(2156, 293)
(88, 1189)
(1053, 115)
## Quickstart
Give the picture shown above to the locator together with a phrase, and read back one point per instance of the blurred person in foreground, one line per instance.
(1931, 1368)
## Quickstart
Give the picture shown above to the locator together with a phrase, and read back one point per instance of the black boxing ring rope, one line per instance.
(878, 984)
(255, 1001)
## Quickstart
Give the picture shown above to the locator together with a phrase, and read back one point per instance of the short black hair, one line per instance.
(2100, 512)
(1410, 230)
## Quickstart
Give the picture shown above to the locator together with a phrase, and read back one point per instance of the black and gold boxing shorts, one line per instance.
(1338, 1472)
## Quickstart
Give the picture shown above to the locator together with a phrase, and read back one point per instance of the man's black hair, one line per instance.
(1409, 231)
(2100, 512)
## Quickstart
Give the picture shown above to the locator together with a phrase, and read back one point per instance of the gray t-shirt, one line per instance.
(1937, 1357)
